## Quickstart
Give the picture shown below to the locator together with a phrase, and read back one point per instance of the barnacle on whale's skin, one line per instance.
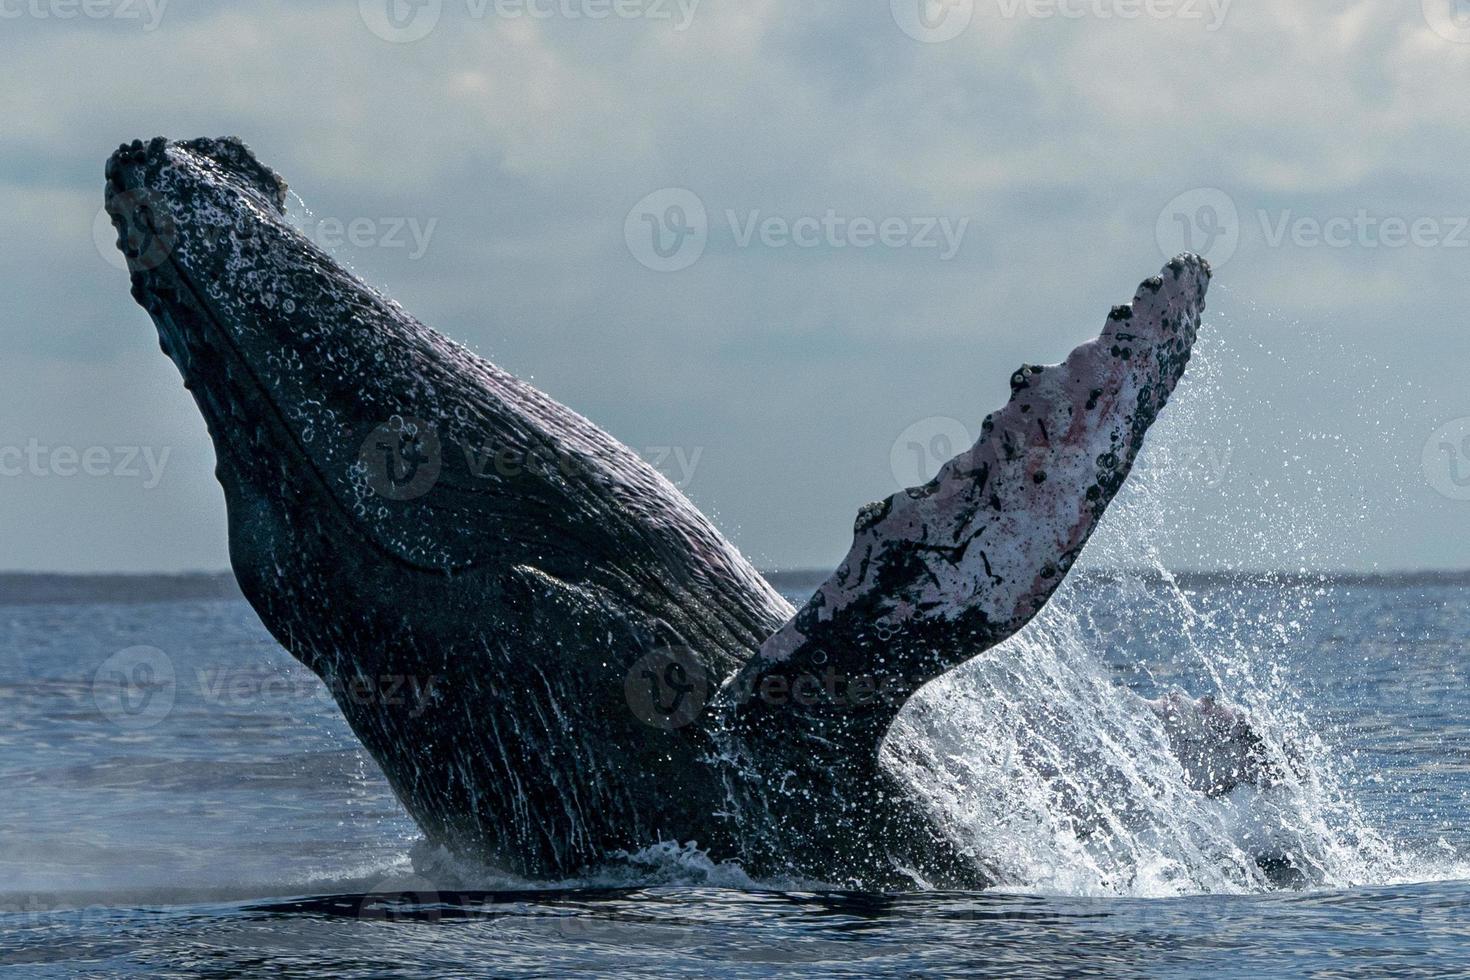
(540, 602)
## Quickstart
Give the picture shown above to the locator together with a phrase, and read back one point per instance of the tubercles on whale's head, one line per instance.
(336, 416)
(406, 516)
(313, 384)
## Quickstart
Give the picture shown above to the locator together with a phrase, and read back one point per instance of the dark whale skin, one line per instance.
(551, 653)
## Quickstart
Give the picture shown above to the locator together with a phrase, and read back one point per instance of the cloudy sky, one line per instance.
(789, 249)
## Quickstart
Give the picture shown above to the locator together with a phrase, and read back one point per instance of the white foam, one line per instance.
(1045, 764)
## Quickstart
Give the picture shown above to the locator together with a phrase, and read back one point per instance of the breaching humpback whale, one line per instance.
(596, 667)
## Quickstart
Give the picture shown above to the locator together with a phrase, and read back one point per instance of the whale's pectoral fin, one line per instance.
(939, 573)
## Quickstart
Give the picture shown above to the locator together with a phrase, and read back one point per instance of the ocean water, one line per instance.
(178, 797)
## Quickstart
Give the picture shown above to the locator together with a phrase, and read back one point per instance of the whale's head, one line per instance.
(326, 402)
(402, 510)
(350, 438)
(340, 423)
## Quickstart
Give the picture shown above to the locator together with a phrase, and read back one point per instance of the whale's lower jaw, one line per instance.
(562, 659)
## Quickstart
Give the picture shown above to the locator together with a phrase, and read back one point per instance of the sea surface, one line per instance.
(178, 797)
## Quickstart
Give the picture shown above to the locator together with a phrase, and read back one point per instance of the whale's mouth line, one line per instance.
(277, 417)
(168, 285)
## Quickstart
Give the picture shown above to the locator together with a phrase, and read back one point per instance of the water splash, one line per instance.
(1041, 756)
(664, 863)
